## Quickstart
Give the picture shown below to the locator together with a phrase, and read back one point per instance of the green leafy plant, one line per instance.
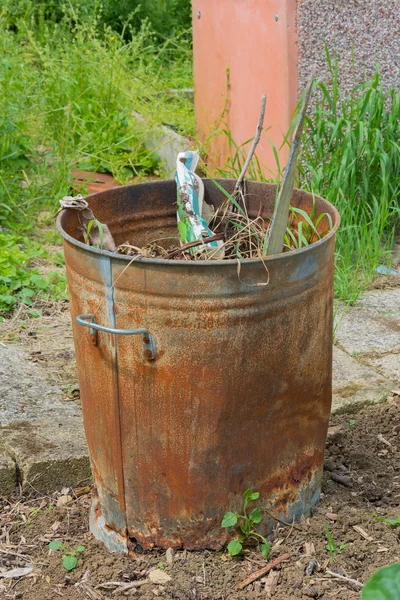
(331, 546)
(246, 522)
(99, 226)
(391, 522)
(384, 584)
(69, 557)
(352, 423)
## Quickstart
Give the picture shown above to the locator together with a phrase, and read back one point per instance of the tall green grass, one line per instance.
(68, 87)
(351, 157)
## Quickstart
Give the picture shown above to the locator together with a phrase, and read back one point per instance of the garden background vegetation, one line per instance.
(72, 73)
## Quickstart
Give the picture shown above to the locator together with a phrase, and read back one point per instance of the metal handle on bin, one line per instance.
(149, 345)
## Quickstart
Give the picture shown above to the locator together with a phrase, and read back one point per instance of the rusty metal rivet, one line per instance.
(146, 340)
(198, 15)
(148, 354)
(276, 17)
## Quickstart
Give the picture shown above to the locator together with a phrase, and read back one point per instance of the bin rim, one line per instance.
(201, 263)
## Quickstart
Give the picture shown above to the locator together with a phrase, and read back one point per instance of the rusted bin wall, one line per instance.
(239, 393)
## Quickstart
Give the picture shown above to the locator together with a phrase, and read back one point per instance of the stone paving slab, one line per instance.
(50, 454)
(372, 325)
(387, 365)
(354, 383)
(42, 435)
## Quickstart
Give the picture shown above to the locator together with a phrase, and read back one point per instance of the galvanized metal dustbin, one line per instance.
(196, 382)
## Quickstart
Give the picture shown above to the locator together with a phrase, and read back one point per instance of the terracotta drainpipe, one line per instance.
(243, 49)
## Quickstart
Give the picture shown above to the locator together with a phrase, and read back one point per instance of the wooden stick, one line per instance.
(281, 214)
(254, 144)
(206, 240)
(261, 572)
(348, 579)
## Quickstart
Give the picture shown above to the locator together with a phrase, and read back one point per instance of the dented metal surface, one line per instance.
(239, 393)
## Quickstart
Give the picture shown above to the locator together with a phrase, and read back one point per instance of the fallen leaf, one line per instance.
(63, 500)
(271, 583)
(158, 576)
(15, 573)
(331, 516)
(169, 556)
(309, 548)
(363, 533)
(55, 525)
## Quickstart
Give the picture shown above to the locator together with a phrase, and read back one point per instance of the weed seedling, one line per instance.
(331, 545)
(391, 522)
(69, 558)
(247, 522)
(352, 423)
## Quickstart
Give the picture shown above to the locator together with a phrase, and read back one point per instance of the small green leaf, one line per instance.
(384, 584)
(55, 545)
(234, 547)
(256, 515)
(69, 562)
(80, 549)
(265, 550)
(391, 522)
(246, 527)
(250, 495)
(352, 423)
(229, 520)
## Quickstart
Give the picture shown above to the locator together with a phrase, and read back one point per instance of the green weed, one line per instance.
(391, 522)
(351, 157)
(69, 557)
(331, 546)
(246, 522)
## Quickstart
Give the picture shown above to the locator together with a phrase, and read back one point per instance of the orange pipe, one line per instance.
(243, 49)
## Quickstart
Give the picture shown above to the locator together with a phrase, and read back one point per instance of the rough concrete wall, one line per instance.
(363, 33)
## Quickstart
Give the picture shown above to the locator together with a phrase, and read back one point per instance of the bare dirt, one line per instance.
(363, 452)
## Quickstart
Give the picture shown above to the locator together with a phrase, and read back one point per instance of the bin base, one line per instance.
(113, 540)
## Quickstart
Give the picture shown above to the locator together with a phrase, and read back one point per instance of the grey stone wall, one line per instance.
(364, 33)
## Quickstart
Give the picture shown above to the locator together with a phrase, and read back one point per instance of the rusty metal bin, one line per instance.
(197, 383)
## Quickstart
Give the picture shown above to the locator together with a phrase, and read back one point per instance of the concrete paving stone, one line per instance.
(8, 474)
(372, 325)
(354, 383)
(49, 455)
(388, 365)
(43, 434)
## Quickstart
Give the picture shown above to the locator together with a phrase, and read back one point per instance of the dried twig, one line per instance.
(348, 579)
(256, 139)
(261, 572)
(280, 218)
(363, 533)
(206, 240)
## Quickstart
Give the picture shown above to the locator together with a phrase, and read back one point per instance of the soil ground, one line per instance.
(363, 449)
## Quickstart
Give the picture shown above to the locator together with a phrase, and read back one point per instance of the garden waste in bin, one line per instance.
(197, 382)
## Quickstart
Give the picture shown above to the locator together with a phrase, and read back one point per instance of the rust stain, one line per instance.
(239, 394)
